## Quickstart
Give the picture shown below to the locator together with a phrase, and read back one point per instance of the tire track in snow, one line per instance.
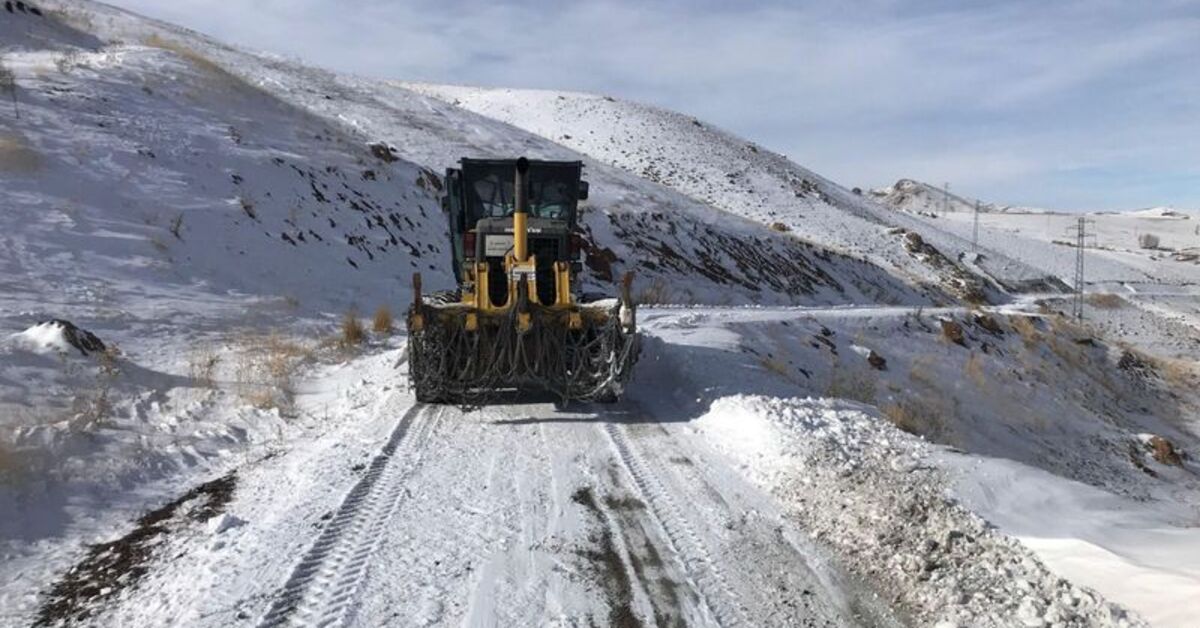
(324, 584)
(704, 574)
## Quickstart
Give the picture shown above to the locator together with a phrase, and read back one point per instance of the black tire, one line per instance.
(607, 397)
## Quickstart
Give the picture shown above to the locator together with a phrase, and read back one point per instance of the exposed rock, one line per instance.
(599, 260)
(953, 332)
(382, 151)
(876, 361)
(988, 324)
(1163, 451)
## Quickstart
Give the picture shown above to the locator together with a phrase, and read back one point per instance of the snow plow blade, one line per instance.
(460, 354)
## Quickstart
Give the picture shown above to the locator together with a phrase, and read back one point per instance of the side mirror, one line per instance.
(583, 190)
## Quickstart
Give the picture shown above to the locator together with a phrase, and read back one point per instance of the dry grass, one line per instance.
(974, 370)
(265, 369)
(16, 155)
(656, 292)
(202, 365)
(353, 332)
(1179, 373)
(902, 416)
(851, 383)
(247, 204)
(777, 367)
(915, 416)
(218, 77)
(382, 322)
(1106, 301)
(1027, 329)
(195, 58)
(8, 461)
(92, 407)
(922, 372)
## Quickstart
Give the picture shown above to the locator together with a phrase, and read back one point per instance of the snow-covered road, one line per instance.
(519, 514)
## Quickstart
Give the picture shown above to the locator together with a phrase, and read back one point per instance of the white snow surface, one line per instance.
(43, 338)
(212, 213)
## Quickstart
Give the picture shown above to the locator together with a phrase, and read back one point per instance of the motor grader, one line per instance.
(517, 321)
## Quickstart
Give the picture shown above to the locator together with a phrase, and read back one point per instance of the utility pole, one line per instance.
(945, 198)
(1079, 230)
(975, 230)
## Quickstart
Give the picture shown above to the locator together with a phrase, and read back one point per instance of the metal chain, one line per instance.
(450, 364)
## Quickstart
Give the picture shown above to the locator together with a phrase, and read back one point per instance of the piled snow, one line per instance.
(1142, 555)
(1066, 407)
(892, 521)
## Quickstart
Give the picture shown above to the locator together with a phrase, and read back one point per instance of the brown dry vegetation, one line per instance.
(1106, 301)
(974, 370)
(913, 417)
(195, 58)
(1027, 329)
(93, 406)
(850, 383)
(265, 368)
(1178, 373)
(382, 322)
(8, 462)
(16, 155)
(202, 365)
(657, 291)
(353, 332)
(776, 367)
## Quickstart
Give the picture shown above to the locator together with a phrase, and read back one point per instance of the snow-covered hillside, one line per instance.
(738, 177)
(1143, 264)
(917, 197)
(821, 430)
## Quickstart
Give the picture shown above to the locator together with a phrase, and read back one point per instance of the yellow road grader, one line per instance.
(517, 322)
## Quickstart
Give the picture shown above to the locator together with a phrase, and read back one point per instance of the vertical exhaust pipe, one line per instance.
(520, 212)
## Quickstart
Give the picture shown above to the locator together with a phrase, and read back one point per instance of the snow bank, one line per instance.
(1145, 556)
(870, 491)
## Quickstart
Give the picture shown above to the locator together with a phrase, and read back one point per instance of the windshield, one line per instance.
(552, 190)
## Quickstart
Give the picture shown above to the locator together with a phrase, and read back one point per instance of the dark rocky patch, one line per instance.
(85, 341)
(109, 568)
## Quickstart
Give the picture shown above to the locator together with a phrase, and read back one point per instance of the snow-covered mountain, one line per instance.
(211, 214)
(914, 196)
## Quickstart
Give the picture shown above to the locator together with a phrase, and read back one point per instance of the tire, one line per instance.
(608, 397)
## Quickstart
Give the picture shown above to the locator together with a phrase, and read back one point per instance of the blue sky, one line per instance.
(1068, 104)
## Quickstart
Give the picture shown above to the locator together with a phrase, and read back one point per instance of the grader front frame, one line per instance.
(517, 323)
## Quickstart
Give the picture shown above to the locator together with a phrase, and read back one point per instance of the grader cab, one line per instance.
(516, 322)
